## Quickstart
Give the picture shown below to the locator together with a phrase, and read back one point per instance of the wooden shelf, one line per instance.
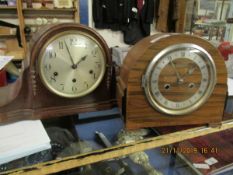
(13, 49)
(62, 13)
(49, 13)
(7, 36)
(8, 12)
(18, 55)
(10, 16)
(8, 8)
(52, 10)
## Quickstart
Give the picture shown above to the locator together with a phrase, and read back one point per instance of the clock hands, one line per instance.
(180, 80)
(81, 60)
(74, 66)
(190, 71)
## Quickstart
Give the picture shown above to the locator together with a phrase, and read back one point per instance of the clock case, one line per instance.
(35, 101)
(135, 108)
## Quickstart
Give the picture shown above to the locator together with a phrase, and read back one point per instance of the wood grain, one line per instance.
(181, 16)
(139, 112)
(163, 16)
(21, 25)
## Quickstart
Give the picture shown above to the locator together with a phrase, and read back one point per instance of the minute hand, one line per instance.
(71, 58)
(177, 73)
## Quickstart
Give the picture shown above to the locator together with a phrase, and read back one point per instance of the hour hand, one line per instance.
(81, 59)
(190, 71)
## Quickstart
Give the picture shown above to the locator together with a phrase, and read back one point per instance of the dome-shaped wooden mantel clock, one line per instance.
(172, 79)
(70, 71)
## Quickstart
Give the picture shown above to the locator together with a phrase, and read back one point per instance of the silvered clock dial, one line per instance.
(179, 79)
(72, 64)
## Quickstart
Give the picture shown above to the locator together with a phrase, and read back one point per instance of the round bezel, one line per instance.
(42, 73)
(146, 83)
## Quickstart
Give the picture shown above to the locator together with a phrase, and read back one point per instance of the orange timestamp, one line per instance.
(188, 150)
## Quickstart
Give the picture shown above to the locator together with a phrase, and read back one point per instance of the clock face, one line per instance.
(179, 79)
(72, 64)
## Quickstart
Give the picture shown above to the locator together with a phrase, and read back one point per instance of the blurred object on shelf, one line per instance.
(27, 31)
(229, 65)
(22, 139)
(8, 66)
(225, 49)
(63, 3)
(3, 3)
(37, 23)
(13, 49)
(3, 47)
(49, 5)
(24, 5)
(36, 5)
(6, 31)
(29, 3)
(210, 28)
(11, 2)
(4, 60)
(11, 78)
(229, 20)
(13, 26)
(12, 69)
(3, 81)
(118, 54)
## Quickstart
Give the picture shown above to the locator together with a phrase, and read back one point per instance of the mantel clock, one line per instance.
(69, 72)
(172, 79)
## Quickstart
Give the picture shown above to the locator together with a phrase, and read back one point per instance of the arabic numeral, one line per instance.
(60, 45)
(94, 52)
(52, 54)
(47, 67)
(62, 87)
(73, 41)
(74, 89)
(86, 84)
(52, 78)
(98, 64)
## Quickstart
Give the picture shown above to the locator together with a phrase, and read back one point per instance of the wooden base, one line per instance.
(46, 105)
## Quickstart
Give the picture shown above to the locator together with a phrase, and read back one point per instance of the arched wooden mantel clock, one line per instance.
(70, 72)
(172, 79)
